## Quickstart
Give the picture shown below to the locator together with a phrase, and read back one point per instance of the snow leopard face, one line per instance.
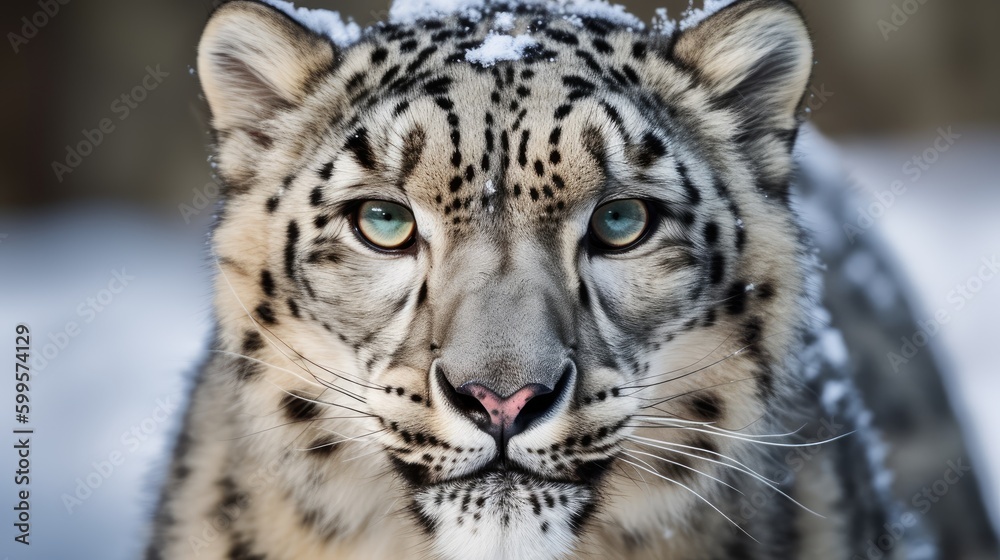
(516, 283)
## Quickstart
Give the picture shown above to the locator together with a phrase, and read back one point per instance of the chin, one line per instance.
(501, 513)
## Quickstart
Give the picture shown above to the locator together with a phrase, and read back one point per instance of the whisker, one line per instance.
(648, 418)
(259, 326)
(338, 442)
(296, 422)
(658, 443)
(770, 484)
(682, 465)
(699, 496)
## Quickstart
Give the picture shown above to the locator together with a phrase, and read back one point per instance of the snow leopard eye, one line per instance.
(385, 225)
(619, 224)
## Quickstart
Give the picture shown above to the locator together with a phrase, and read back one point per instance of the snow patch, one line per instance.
(690, 17)
(693, 16)
(833, 392)
(412, 11)
(833, 347)
(499, 47)
(662, 23)
(598, 9)
(323, 22)
(503, 21)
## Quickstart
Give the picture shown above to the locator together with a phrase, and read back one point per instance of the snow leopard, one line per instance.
(518, 280)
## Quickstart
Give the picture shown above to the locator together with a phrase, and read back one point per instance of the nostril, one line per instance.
(541, 404)
(463, 401)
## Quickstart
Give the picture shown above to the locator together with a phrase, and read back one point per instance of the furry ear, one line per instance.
(756, 57)
(253, 61)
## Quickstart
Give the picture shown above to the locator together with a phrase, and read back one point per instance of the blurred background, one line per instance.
(107, 195)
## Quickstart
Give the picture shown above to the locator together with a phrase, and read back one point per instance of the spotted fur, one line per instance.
(322, 425)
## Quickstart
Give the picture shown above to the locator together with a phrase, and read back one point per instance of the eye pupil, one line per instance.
(620, 223)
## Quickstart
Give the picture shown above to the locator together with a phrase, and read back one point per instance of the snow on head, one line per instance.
(692, 16)
(324, 22)
(411, 11)
(598, 9)
(503, 21)
(499, 47)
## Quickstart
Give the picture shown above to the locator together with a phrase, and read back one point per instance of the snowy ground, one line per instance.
(108, 394)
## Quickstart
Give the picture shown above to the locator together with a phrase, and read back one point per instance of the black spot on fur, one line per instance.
(711, 233)
(422, 294)
(324, 446)
(291, 239)
(326, 171)
(562, 36)
(272, 204)
(522, 150)
(359, 145)
(765, 290)
(261, 139)
(736, 298)
(413, 149)
(379, 55)
(252, 341)
(438, 86)
(639, 50)
(707, 406)
(267, 283)
(692, 192)
(421, 59)
(316, 196)
(652, 149)
(717, 268)
(266, 314)
(299, 407)
(752, 332)
(602, 46)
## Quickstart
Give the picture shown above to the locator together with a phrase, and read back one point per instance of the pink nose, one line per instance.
(503, 411)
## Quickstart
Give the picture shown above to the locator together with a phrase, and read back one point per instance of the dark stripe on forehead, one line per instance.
(616, 119)
(359, 145)
(649, 150)
(692, 192)
(413, 149)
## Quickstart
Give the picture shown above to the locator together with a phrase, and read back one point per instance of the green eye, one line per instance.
(386, 225)
(620, 223)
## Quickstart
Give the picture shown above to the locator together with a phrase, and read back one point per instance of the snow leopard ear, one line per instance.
(756, 57)
(254, 60)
